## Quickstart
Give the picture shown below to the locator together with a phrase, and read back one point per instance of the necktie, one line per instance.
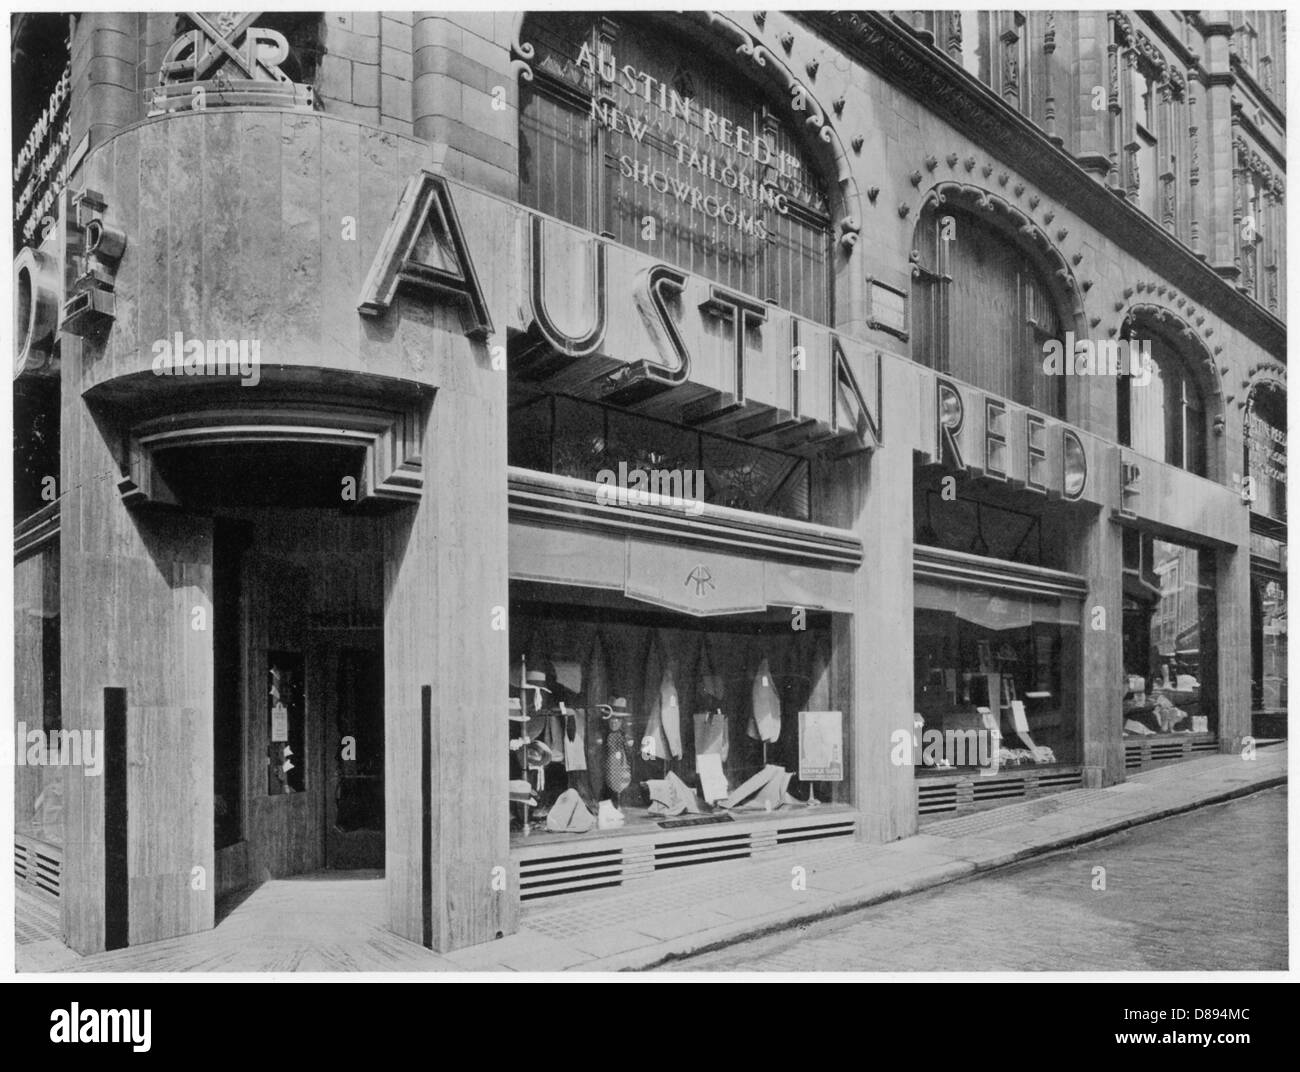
(618, 772)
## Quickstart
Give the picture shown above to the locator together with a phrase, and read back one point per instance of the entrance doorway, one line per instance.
(349, 695)
(301, 689)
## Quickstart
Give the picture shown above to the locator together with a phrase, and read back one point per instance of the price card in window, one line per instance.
(279, 723)
(821, 746)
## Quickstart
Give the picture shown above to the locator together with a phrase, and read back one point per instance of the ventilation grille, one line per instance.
(998, 789)
(1061, 780)
(703, 851)
(551, 875)
(965, 792)
(555, 870)
(1138, 754)
(824, 832)
(38, 867)
(936, 798)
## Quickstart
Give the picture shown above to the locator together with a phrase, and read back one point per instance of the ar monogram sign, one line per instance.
(702, 577)
(225, 38)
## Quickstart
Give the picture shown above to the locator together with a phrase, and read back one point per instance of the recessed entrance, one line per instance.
(312, 678)
(298, 692)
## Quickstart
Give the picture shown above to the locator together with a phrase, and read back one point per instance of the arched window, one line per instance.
(981, 310)
(631, 131)
(1163, 418)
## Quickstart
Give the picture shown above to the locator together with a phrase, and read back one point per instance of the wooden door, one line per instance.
(352, 699)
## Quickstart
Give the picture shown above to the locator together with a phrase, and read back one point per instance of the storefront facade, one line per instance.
(524, 453)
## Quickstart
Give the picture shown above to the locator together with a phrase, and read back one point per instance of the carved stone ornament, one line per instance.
(225, 42)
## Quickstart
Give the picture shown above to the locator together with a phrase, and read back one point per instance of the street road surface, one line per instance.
(1205, 891)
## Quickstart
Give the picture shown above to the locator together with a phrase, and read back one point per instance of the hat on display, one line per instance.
(522, 792)
(569, 814)
(608, 815)
(539, 754)
(536, 679)
(516, 712)
(620, 706)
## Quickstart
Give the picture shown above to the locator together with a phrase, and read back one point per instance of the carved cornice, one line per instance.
(1175, 47)
(1243, 121)
(873, 41)
(1251, 160)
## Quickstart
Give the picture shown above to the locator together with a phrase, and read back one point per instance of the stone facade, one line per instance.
(270, 214)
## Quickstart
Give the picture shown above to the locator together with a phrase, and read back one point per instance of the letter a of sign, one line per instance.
(425, 247)
(848, 403)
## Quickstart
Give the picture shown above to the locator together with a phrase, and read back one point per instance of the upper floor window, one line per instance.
(1248, 39)
(982, 310)
(1260, 235)
(970, 42)
(1152, 128)
(1165, 417)
(634, 133)
(1145, 146)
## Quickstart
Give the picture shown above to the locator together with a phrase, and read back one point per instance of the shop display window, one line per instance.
(628, 718)
(1264, 450)
(1268, 644)
(996, 680)
(37, 712)
(1170, 640)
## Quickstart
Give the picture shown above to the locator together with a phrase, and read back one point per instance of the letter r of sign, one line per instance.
(949, 418)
